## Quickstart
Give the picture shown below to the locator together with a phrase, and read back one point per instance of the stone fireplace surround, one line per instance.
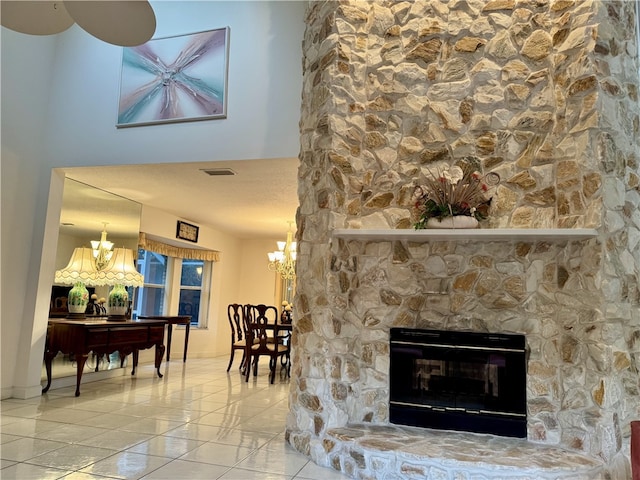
(377, 449)
(543, 92)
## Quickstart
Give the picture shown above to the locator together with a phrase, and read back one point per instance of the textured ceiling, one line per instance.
(258, 201)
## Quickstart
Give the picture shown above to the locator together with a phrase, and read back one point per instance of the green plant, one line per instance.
(454, 191)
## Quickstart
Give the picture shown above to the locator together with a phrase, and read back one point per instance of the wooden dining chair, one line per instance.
(262, 328)
(250, 312)
(235, 312)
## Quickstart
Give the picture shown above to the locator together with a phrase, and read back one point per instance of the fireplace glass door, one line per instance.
(458, 381)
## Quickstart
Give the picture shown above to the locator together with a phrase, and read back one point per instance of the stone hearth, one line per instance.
(542, 92)
(415, 453)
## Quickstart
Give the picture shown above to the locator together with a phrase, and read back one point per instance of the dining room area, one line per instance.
(265, 330)
(263, 316)
(220, 417)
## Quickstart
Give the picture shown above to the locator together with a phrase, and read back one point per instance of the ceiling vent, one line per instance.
(218, 172)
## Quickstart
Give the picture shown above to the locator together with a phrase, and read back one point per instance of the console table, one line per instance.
(171, 321)
(102, 337)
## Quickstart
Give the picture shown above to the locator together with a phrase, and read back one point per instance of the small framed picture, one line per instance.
(186, 231)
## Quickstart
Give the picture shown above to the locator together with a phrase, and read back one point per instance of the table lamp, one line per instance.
(79, 272)
(120, 272)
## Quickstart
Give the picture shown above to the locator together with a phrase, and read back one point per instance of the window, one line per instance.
(173, 286)
(191, 289)
(151, 297)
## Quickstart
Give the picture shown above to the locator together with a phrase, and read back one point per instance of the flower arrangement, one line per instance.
(287, 307)
(454, 191)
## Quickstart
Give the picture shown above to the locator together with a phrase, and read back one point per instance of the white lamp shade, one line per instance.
(121, 270)
(80, 268)
(35, 18)
(123, 23)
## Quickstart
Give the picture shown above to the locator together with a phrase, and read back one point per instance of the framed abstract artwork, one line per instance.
(175, 79)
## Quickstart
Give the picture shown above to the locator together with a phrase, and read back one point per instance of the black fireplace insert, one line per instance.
(456, 380)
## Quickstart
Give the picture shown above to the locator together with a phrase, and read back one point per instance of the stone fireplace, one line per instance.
(542, 92)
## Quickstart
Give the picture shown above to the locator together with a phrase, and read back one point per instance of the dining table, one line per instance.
(277, 328)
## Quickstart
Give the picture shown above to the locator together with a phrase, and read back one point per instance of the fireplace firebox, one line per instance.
(454, 380)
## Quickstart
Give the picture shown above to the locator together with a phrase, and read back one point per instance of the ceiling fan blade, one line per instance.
(35, 18)
(123, 23)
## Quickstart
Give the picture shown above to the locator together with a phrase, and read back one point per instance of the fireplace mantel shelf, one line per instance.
(478, 234)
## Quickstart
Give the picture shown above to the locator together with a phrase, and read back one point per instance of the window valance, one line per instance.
(178, 252)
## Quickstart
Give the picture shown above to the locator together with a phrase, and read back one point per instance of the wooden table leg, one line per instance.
(186, 342)
(159, 354)
(169, 332)
(135, 360)
(80, 361)
(635, 450)
(48, 358)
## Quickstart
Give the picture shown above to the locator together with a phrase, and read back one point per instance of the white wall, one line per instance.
(263, 91)
(24, 191)
(70, 81)
(257, 284)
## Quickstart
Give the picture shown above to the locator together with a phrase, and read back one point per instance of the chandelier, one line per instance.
(283, 260)
(102, 249)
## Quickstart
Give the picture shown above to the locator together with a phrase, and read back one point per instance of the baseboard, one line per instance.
(6, 392)
(23, 393)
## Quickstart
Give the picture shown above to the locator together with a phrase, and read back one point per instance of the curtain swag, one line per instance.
(178, 252)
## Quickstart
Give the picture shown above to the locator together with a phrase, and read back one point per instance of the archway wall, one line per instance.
(59, 106)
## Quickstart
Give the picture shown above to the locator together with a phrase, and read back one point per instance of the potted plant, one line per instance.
(455, 197)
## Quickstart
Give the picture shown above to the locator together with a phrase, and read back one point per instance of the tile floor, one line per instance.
(198, 422)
